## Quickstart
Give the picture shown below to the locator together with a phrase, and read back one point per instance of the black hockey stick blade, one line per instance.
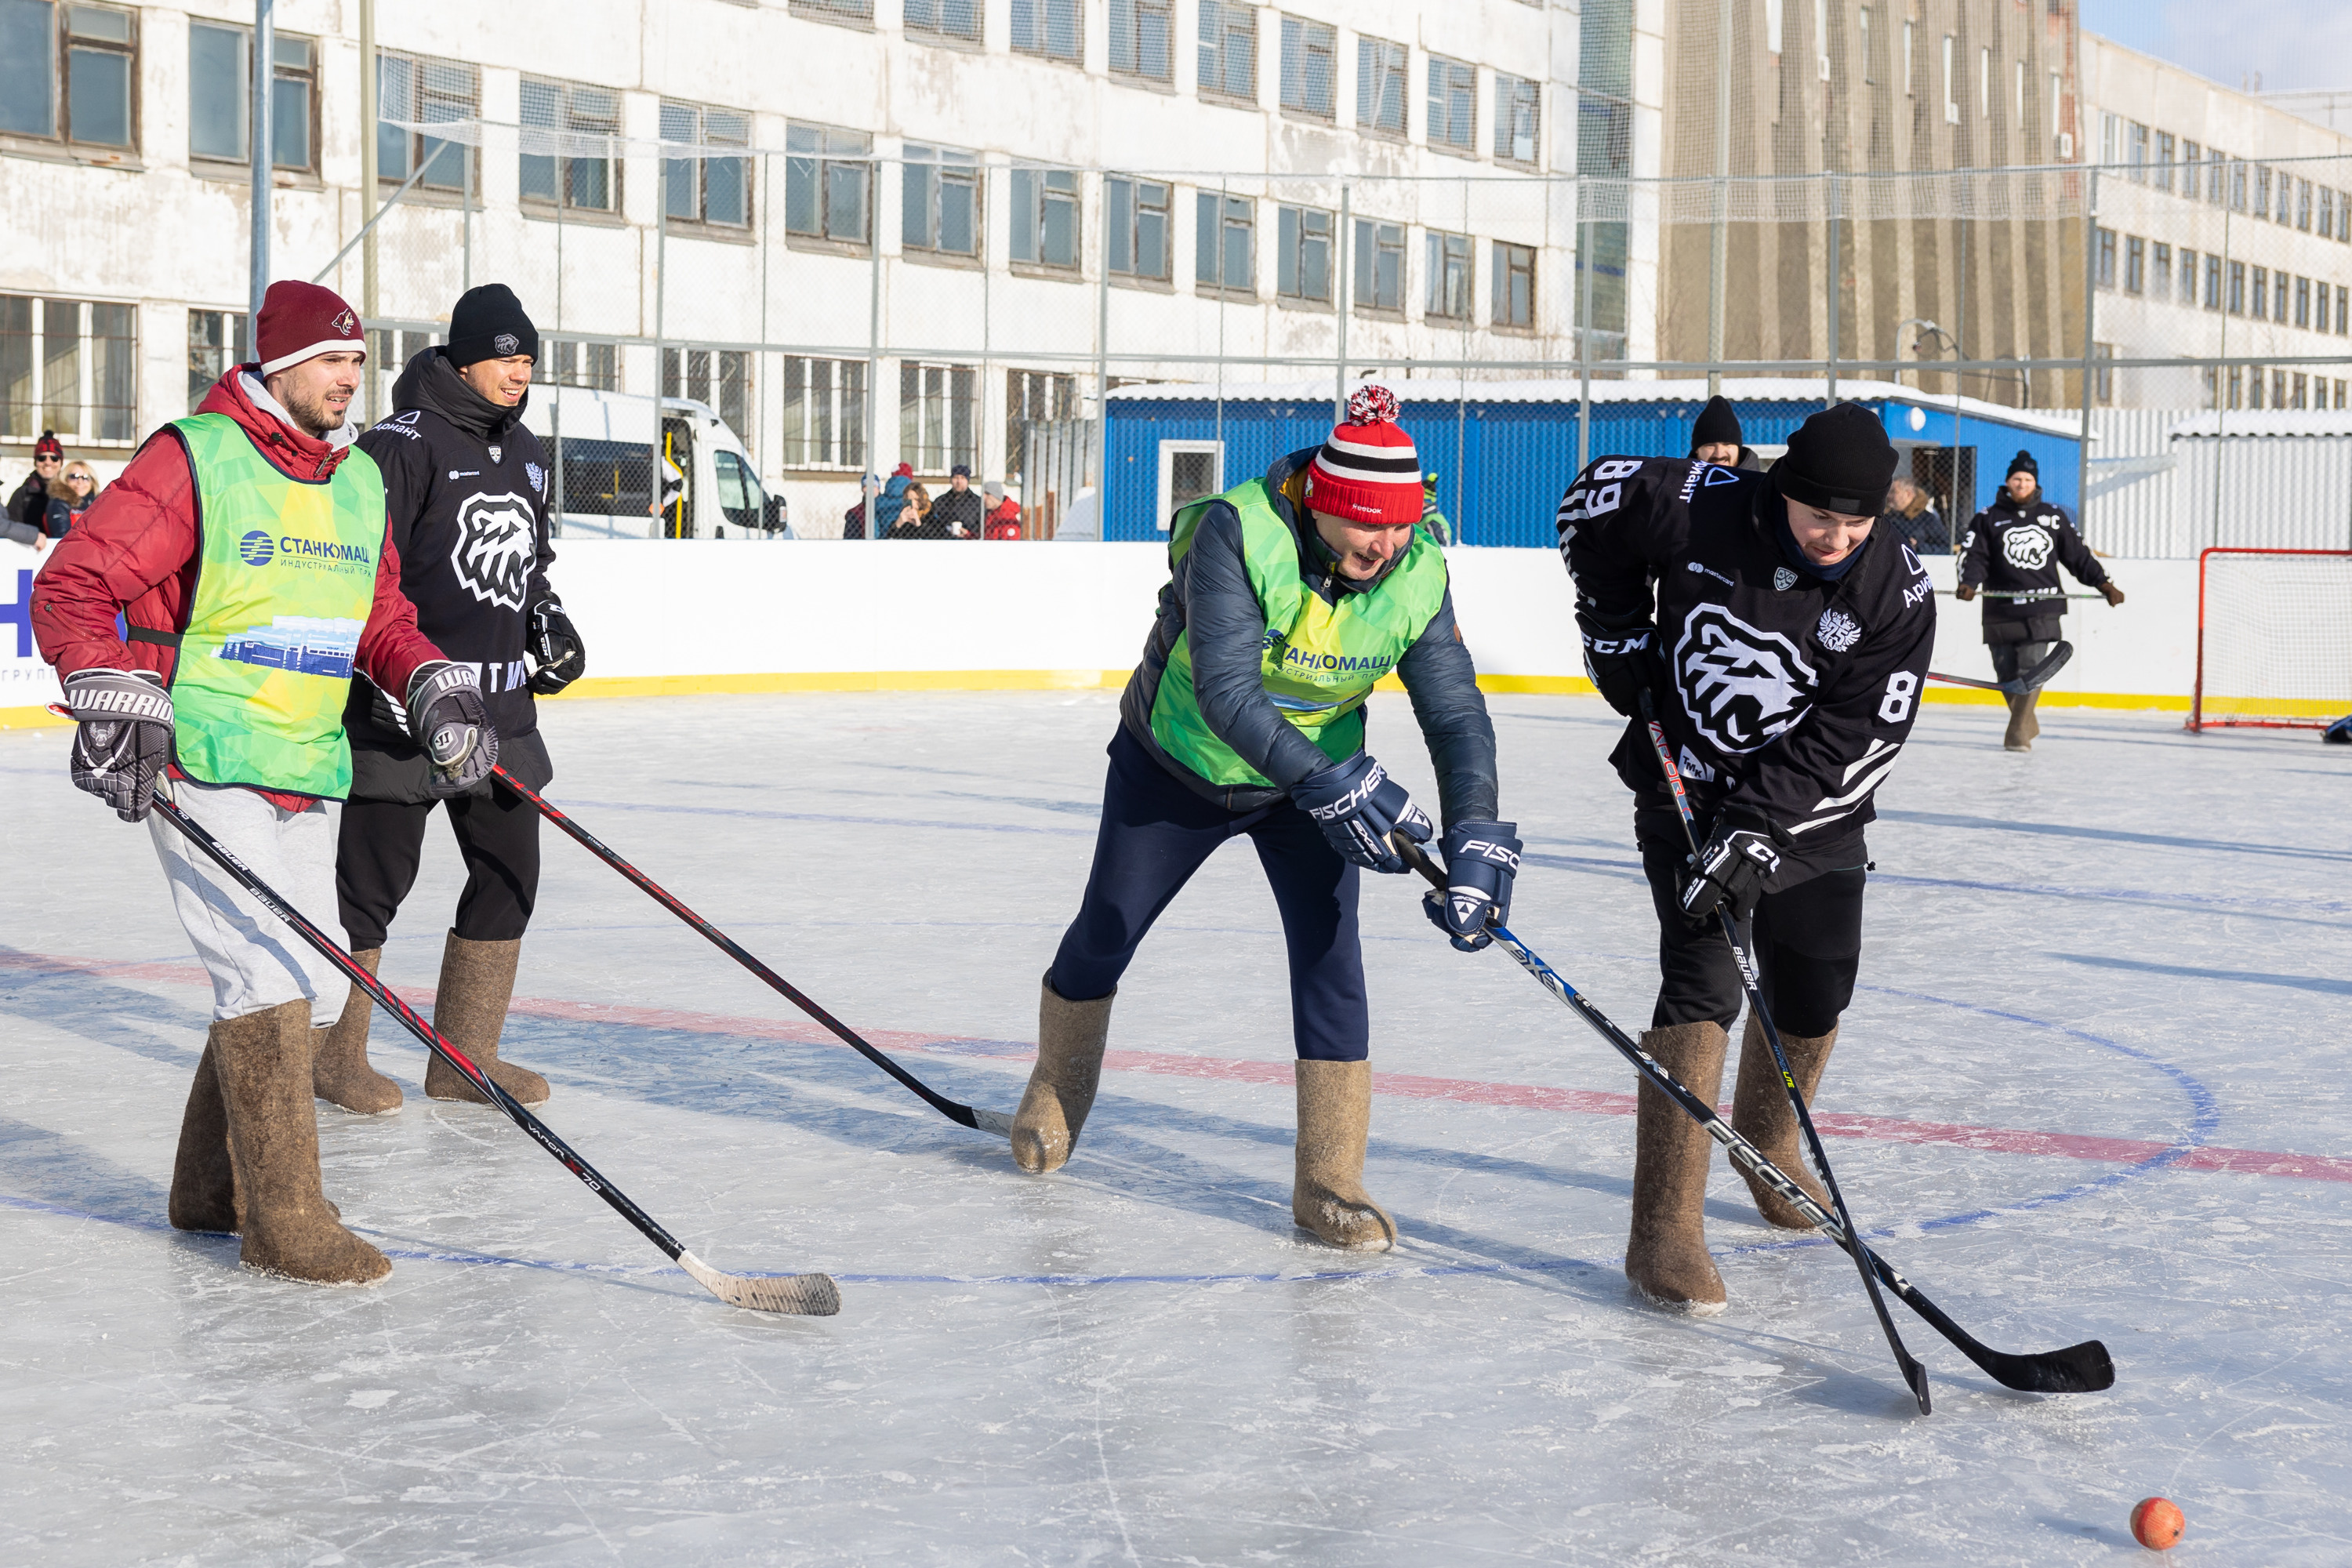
(2032, 680)
(808, 1295)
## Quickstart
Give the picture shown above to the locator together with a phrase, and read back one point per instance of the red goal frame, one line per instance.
(2198, 718)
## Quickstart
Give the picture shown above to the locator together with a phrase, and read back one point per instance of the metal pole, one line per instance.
(759, 361)
(1102, 390)
(1837, 287)
(555, 400)
(1959, 377)
(1584, 337)
(2220, 394)
(465, 218)
(1716, 259)
(370, 113)
(661, 292)
(2090, 313)
(873, 343)
(1339, 286)
(265, 54)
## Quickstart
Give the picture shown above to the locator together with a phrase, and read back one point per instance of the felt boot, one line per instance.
(203, 1177)
(1070, 1036)
(1665, 1255)
(2023, 725)
(1760, 1112)
(263, 1060)
(339, 1073)
(470, 1012)
(1334, 1119)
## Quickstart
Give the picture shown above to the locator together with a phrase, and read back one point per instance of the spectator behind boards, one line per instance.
(958, 514)
(1716, 437)
(1912, 520)
(1003, 512)
(31, 501)
(69, 497)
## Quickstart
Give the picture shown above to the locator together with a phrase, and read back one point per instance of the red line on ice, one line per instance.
(1409, 1085)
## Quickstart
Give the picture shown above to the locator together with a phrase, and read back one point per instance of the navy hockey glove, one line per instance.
(1621, 661)
(1733, 866)
(1358, 806)
(124, 739)
(556, 647)
(447, 717)
(1481, 858)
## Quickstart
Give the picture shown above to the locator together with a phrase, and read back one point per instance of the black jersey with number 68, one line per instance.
(1788, 695)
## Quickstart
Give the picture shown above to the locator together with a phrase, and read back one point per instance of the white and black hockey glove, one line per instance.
(1481, 859)
(1737, 859)
(559, 655)
(124, 739)
(1358, 806)
(447, 717)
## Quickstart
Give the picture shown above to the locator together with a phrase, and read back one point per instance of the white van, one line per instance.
(603, 445)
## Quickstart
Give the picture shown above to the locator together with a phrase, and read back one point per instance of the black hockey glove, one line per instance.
(1733, 865)
(1622, 662)
(447, 717)
(1358, 806)
(124, 739)
(555, 648)
(1481, 858)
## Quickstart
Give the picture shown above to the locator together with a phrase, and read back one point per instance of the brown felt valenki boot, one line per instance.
(339, 1073)
(1665, 1255)
(1760, 1112)
(203, 1177)
(263, 1060)
(470, 1011)
(2023, 725)
(1070, 1039)
(1335, 1120)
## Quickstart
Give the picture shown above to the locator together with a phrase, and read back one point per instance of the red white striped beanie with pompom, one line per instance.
(1368, 471)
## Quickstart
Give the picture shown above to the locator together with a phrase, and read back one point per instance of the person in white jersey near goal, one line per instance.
(2012, 552)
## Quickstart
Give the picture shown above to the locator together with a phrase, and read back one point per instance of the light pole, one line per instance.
(264, 58)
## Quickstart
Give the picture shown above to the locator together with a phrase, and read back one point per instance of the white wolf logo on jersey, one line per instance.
(1740, 686)
(2027, 548)
(495, 548)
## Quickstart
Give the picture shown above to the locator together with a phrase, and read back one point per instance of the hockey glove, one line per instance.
(1622, 662)
(2109, 591)
(1481, 858)
(447, 717)
(1358, 806)
(556, 647)
(1733, 865)
(124, 739)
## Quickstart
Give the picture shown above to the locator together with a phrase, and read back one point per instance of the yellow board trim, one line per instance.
(30, 719)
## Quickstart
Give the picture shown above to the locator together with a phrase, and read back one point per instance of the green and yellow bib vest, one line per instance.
(1321, 659)
(285, 583)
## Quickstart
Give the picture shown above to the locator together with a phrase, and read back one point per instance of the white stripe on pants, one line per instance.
(254, 959)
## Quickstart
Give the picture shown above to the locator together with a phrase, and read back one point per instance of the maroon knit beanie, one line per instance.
(302, 320)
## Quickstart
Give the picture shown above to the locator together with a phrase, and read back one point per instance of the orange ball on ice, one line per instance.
(2157, 1523)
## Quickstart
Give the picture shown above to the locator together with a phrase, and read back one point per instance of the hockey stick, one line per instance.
(2032, 595)
(2032, 680)
(1914, 1373)
(962, 1115)
(812, 1295)
(2078, 1369)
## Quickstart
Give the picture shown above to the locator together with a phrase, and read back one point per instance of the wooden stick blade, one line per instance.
(802, 1295)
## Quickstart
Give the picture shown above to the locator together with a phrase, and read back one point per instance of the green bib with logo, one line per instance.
(1321, 659)
(285, 582)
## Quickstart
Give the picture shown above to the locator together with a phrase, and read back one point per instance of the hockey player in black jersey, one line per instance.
(2012, 551)
(1783, 647)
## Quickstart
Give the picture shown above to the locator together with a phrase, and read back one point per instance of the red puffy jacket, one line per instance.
(1004, 523)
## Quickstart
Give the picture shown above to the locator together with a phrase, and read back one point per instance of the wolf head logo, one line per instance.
(1740, 686)
(2027, 548)
(495, 549)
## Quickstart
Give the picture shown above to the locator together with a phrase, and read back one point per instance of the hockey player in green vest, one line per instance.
(1290, 595)
(245, 548)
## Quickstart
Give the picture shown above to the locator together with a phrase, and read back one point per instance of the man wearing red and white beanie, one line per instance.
(1291, 595)
(246, 548)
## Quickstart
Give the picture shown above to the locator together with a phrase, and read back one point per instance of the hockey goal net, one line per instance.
(2273, 638)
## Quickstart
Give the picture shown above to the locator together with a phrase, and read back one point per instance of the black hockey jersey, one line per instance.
(2014, 547)
(1788, 695)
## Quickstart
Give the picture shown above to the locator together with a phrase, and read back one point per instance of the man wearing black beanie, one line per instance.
(1716, 437)
(2012, 552)
(465, 489)
(1783, 647)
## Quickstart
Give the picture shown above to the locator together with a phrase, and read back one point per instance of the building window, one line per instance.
(2136, 153)
(2134, 265)
(2327, 213)
(834, 10)
(1137, 214)
(2303, 305)
(2261, 292)
(945, 18)
(220, 104)
(825, 413)
(2262, 190)
(2339, 394)
(578, 362)
(1951, 85)
(1379, 86)
(217, 340)
(1034, 397)
(73, 74)
(2217, 183)
(2164, 148)
(2299, 390)
(2343, 319)
(938, 417)
(2343, 217)
(1517, 104)
(568, 118)
(1380, 266)
(1984, 84)
(2160, 259)
(423, 92)
(829, 183)
(939, 201)
(1229, 49)
(1515, 285)
(1449, 276)
(1224, 244)
(1045, 217)
(67, 365)
(2236, 287)
(2187, 276)
(719, 379)
(2285, 215)
(2106, 259)
(1453, 104)
(1055, 29)
(2278, 389)
(2238, 185)
(2104, 375)
(1310, 68)
(1143, 33)
(2212, 282)
(2302, 205)
(709, 189)
(2278, 301)
(1302, 262)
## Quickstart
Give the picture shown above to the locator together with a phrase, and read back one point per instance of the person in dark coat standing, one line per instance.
(465, 504)
(958, 514)
(1715, 438)
(30, 503)
(2011, 552)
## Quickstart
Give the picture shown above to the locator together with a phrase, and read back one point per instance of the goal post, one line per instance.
(2273, 638)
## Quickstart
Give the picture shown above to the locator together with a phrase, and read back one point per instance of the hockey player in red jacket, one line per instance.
(246, 548)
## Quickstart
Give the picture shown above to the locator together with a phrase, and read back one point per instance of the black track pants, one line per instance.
(1806, 940)
(382, 842)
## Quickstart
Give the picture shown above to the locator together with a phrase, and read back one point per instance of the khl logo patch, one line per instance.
(256, 549)
(2027, 548)
(1837, 631)
(1783, 579)
(1740, 686)
(495, 548)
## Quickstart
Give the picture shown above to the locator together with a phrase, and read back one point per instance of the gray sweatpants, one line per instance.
(254, 959)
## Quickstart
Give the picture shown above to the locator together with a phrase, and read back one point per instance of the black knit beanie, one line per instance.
(489, 323)
(1716, 423)
(2023, 463)
(1839, 460)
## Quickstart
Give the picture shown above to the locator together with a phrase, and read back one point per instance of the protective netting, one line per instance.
(2273, 638)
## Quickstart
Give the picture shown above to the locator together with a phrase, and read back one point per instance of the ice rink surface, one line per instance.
(2100, 1015)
